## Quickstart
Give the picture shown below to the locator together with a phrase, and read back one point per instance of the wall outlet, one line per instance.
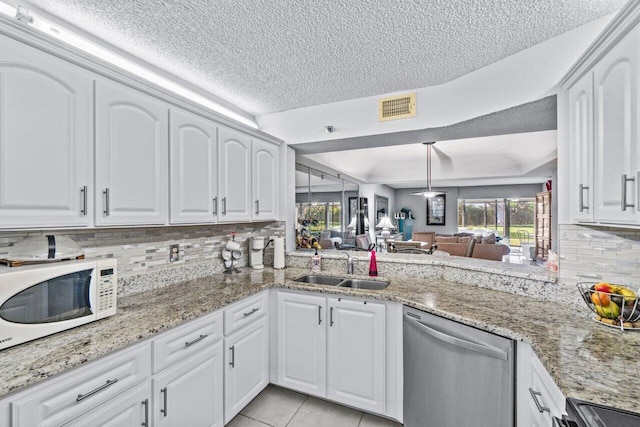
(174, 252)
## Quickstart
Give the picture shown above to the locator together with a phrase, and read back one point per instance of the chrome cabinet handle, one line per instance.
(319, 315)
(534, 395)
(581, 189)
(251, 312)
(81, 397)
(257, 207)
(331, 316)
(624, 204)
(638, 190)
(163, 410)
(145, 403)
(233, 356)
(106, 202)
(200, 338)
(224, 206)
(83, 191)
(215, 205)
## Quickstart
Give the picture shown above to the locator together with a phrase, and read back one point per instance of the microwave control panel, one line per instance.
(107, 290)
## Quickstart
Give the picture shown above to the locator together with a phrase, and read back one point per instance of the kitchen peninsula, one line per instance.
(574, 349)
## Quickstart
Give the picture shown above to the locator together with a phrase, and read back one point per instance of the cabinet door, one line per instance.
(130, 408)
(615, 139)
(235, 175)
(131, 156)
(356, 334)
(265, 180)
(45, 139)
(301, 343)
(246, 366)
(190, 393)
(194, 169)
(581, 149)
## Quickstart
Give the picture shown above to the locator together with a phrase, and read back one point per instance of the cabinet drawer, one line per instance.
(186, 340)
(547, 393)
(244, 312)
(69, 395)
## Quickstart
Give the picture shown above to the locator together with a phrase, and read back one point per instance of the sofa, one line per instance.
(485, 247)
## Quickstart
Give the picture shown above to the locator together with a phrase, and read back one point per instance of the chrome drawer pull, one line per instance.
(233, 356)
(581, 206)
(83, 191)
(331, 316)
(200, 338)
(145, 403)
(164, 401)
(251, 312)
(623, 199)
(106, 210)
(257, 207)
(99, 389)
(319, 315)
(224, 206)
(215, 205)
(534, 395)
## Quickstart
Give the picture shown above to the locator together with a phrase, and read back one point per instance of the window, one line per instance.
(505, 216)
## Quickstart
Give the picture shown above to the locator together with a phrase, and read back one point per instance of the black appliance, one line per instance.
(587, 414)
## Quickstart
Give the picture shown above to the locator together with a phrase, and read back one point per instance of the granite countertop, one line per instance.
(587, 360)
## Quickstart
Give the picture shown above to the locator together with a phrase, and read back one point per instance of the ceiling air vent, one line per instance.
(397, 107)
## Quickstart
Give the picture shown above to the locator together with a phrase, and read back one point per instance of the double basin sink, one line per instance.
(343, 282)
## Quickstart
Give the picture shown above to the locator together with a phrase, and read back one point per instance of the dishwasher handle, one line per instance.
(459, 342)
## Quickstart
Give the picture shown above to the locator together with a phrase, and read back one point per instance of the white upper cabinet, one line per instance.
(194, 169)
(235, 175)
(581, 149)
(131, 156)
(265, 180)
(45, 140)
(616, 128)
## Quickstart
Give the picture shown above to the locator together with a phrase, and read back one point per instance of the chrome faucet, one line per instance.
(350, 262)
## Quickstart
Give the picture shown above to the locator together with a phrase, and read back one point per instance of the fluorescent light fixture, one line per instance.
(5, 9)
(95, 49)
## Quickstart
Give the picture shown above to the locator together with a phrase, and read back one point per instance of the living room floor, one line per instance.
(280, 407)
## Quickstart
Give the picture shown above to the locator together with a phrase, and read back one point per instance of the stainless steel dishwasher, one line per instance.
(456, 375)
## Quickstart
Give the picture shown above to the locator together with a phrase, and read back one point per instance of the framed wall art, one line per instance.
(436, 210)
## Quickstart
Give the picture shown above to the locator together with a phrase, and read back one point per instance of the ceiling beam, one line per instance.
(535, 116)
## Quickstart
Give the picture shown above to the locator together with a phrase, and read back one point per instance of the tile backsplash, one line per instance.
(146, 249)
(589, 254)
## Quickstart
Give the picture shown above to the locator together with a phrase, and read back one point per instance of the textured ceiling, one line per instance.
(266, 56)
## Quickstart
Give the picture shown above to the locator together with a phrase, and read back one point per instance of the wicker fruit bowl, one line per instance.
(613, 305)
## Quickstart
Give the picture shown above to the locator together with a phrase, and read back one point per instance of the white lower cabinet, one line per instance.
(333, 348)
(190, 393)
(538, 397)
(130, 408)
(246, 366)
(301, 342)
(82, 390)
(356, 353)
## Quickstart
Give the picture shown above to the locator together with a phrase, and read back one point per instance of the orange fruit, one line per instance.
(600, 299)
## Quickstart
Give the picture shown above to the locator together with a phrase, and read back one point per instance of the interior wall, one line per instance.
(418, 207)
(499, 191)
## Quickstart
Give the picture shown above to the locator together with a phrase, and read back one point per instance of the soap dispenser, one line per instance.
(316, 263)
(373, 266)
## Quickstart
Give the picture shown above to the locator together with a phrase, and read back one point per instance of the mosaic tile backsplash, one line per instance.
(146, 250)
(589, 254)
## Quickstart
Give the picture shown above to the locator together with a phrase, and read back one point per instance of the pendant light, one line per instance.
(428, 193)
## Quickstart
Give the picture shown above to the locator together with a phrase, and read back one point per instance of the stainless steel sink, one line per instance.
(364, 284)
(320, 280)
(343, 282)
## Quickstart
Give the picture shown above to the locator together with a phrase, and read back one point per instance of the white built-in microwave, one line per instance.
(40, 300)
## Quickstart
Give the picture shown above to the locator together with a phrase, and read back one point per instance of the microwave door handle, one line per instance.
(93, 293)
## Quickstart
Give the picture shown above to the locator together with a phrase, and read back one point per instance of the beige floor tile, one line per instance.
(319, 413)
(274, 406)
(369, 420)
(242, 421)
